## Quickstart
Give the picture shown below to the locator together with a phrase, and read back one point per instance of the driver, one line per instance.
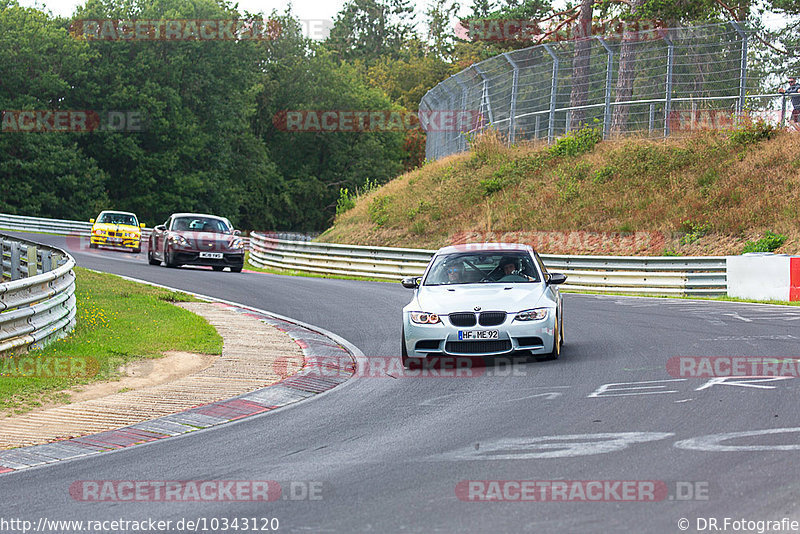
(508, 266)
(455, 273)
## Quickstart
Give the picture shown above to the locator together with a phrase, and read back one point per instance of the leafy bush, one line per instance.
(379, 210)
(694, 231)
(605, 174)
(751, 132)
(577, 142)
(485, 146)
(769, 243)
(345, 202)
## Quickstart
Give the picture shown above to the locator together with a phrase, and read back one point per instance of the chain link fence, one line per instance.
(654, 83)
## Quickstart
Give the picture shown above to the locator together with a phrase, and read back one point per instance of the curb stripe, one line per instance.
(794, 279)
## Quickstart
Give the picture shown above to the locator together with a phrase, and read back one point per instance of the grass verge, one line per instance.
(118, 321)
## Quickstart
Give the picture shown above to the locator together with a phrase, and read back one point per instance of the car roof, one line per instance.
(198, 215)
(117, 211)
(485, 247)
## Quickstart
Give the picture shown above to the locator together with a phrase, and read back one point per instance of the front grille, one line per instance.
(492, 318)
(462, 319)
(478, 347)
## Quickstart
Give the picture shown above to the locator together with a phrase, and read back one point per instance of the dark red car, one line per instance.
(197, 239)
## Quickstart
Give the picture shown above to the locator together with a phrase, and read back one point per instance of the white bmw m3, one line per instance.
(484, 299)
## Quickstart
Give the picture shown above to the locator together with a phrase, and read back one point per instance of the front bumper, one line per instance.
(229, 259)
(107, 241)
(536, 337)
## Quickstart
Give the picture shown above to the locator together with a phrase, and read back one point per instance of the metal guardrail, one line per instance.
(68, 227)
(676, 276)
(37, 294)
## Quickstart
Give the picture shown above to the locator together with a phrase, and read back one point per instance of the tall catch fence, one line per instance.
(656, 83)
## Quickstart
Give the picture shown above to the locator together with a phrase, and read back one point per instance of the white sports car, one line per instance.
(483, 299)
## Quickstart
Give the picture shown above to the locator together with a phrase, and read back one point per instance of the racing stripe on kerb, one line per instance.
(794, 279)
(317, 351)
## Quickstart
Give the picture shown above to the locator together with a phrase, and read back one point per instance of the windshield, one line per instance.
(480, 267)
(201, 224)
(118, 218)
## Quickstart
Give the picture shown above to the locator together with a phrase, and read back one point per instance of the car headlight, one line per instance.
(130, 234)
(237, 243)
(99, 232)
(179, 240)
(424, 318)
(532, 315)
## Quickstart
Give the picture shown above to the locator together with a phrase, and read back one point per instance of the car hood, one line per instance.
(507, 297)
(208, 240)
(116, 227)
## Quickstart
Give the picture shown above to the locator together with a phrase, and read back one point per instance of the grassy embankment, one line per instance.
(118, 321)
(704, 195)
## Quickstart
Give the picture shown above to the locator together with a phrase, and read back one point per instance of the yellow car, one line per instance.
(116, 229)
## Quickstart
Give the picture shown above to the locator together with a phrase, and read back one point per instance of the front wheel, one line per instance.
(404, 351)
(150, 259)
(168, 261)
(557, 343)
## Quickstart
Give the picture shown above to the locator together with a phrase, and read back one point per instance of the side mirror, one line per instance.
(557, 278)
(91, 220)
(237, 232)
(411, 282)
(141, 225)
(160, 228)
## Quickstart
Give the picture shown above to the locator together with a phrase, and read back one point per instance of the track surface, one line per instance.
(389, 452)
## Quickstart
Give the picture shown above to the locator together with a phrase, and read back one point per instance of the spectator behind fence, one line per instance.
(794, 90)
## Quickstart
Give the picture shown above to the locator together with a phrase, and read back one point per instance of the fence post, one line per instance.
(553, 92)
(783, 110)
(33, 260)
(538, 119)
(650, 123)
(463, 134)
(609, 76)
(668, 96)
(15, 257)
(485, 94)
(512, 121)
(742, 69)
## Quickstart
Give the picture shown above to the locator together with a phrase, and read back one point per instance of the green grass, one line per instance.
(118, 322)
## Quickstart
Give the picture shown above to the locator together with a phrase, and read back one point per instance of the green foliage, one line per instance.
(577, 142)
(753, 132)
(345, 202)
(604, 174)
(769, 243)
(378, 210)
(693, 231)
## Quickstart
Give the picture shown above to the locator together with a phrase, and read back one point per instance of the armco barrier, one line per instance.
(677, 276)
(67, 227)
(37, 301)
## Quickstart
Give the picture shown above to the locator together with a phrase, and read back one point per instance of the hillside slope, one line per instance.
(703, 195)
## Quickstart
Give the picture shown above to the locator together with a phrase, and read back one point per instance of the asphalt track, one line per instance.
(388, 453)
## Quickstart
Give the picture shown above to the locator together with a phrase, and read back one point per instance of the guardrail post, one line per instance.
(668, 96)
(3, 259)
(33, 260)
(16, 273)
(512, 122)
(536, 127)
(569, 120)
(783, 111)
(651, 122)
(47, 261)
(553, 93)
(742, 68)
(609, 76)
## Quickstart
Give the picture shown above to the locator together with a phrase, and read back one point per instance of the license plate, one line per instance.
(477, 334)
(114, 240)
(211, 255)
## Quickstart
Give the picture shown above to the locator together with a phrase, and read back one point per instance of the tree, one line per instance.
(368, 29)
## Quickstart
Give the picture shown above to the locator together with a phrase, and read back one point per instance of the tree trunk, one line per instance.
(580, 64)
(626, 75)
